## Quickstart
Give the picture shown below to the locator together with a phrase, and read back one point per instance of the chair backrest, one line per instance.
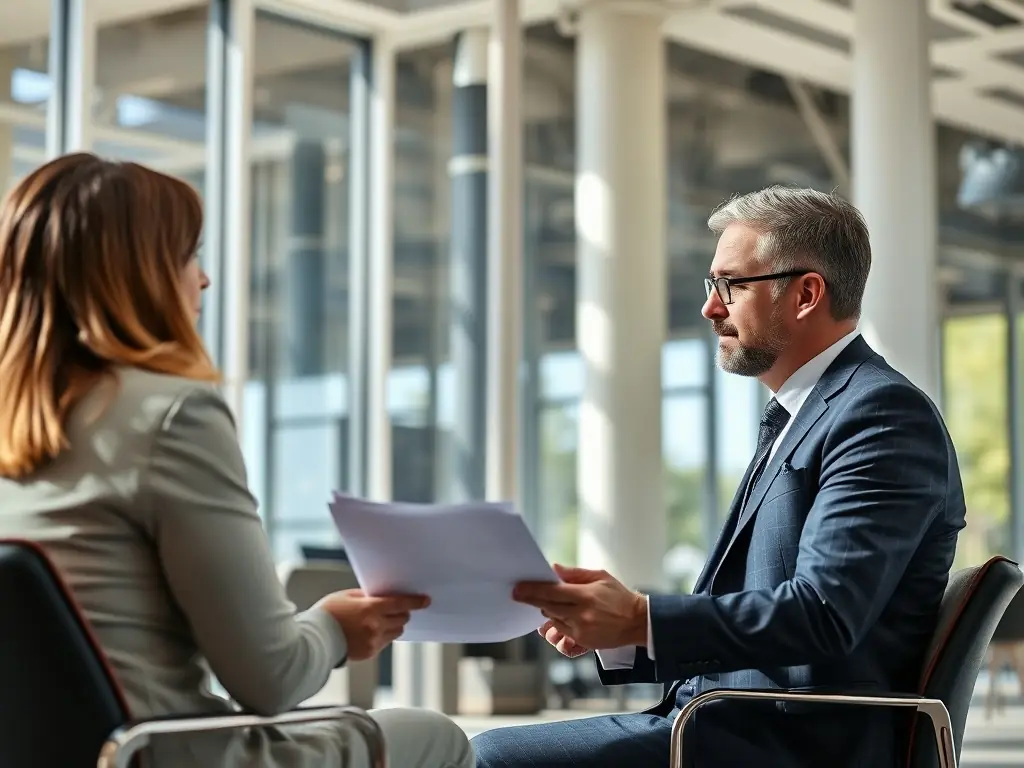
(306, 583)
(58, 700)
(972, 606)
(1011, 626)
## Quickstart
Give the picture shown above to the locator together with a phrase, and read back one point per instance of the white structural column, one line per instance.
(894, 183)
(72, 71)
(505, 251)
(620, 320)
(238, 19)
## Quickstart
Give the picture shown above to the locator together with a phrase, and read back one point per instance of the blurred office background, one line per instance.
(351, 373)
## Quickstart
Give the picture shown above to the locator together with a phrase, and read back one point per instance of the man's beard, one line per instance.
(753, 358)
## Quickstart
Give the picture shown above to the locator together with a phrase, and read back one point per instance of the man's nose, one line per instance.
(713, 308)
(204, 280)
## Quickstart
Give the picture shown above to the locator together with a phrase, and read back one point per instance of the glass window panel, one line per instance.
(684, 363)
(740, 401)
(25, 86)
(976, 412)
(289, 540)
(307, 467)
(297, 398)
(684, 448)
(421, 384)
(150, 93)
(561, 376)
(559, 431)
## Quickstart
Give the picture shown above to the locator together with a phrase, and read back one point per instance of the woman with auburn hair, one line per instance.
(119, 457)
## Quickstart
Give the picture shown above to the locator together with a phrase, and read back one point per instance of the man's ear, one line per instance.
(811, 294)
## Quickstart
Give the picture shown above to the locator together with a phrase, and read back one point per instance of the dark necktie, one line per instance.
(773, 422)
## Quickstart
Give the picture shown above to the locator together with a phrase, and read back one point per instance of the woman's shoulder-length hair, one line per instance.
(91, 258)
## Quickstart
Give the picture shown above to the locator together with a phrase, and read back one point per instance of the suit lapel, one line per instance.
(809, 413)
(724, 535)
(833, 381)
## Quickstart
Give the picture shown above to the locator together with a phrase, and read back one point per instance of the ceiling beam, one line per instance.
(954, 103)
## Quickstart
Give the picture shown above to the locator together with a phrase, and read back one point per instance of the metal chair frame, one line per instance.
(126, 742)
(933, 708)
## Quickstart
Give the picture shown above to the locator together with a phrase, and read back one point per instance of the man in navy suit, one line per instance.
(831, 565)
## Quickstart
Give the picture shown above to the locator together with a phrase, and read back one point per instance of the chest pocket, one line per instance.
(780, 520)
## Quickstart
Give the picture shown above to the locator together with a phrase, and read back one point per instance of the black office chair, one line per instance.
(59, 703)
(972, 606)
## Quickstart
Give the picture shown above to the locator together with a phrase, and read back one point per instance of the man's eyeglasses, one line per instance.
(724, 284)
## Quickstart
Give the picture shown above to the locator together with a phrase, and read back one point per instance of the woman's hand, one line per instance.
(371, 623)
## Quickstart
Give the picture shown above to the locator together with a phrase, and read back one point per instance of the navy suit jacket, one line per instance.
(830, 579)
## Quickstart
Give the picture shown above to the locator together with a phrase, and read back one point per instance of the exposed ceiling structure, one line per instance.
(156, 49)
(977, 50)
(977, 45)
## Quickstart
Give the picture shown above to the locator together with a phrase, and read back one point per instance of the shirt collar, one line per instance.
(798, 387)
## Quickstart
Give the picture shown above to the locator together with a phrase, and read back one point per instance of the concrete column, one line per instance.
(894, 183)
(621, 191)
(307, 261)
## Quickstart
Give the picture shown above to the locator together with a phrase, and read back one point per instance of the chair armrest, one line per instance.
(933, 708)
(126, 741)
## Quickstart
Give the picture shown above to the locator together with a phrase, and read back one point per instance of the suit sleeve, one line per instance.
(219, 567)
(884, 480)
(629, 664)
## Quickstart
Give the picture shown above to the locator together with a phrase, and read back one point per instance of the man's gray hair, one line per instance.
(807, 229)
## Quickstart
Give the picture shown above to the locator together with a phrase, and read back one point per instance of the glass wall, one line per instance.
(25, 86)
(976, 410)
(420, 396)
(980, 234)
(149, 97)
(296, 401)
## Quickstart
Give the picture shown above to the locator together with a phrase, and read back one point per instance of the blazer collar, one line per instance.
(833, 381)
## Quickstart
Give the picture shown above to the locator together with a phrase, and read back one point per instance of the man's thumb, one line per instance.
(573, 575)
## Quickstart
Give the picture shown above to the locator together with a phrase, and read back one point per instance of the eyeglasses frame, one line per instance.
(712, 282)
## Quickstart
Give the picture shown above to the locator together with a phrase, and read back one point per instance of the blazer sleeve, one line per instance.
(884, 480)
(218, 564)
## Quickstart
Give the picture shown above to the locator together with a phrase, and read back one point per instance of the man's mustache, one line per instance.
(724, 329)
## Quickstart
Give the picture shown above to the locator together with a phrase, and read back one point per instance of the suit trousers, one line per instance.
(609, 741)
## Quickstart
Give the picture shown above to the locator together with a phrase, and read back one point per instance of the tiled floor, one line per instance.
(996, 741)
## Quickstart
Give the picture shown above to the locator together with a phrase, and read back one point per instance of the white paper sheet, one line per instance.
(466, 557)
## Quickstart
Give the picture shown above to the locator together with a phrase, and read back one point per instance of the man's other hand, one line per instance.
(565, 645)
(592, 608)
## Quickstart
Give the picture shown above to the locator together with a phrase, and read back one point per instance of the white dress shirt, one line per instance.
(790, 396)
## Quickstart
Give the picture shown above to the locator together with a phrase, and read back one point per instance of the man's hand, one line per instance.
(370, 623)
(589, 609)
(565, 645)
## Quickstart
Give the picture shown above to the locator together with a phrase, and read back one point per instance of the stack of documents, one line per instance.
(465, 557)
